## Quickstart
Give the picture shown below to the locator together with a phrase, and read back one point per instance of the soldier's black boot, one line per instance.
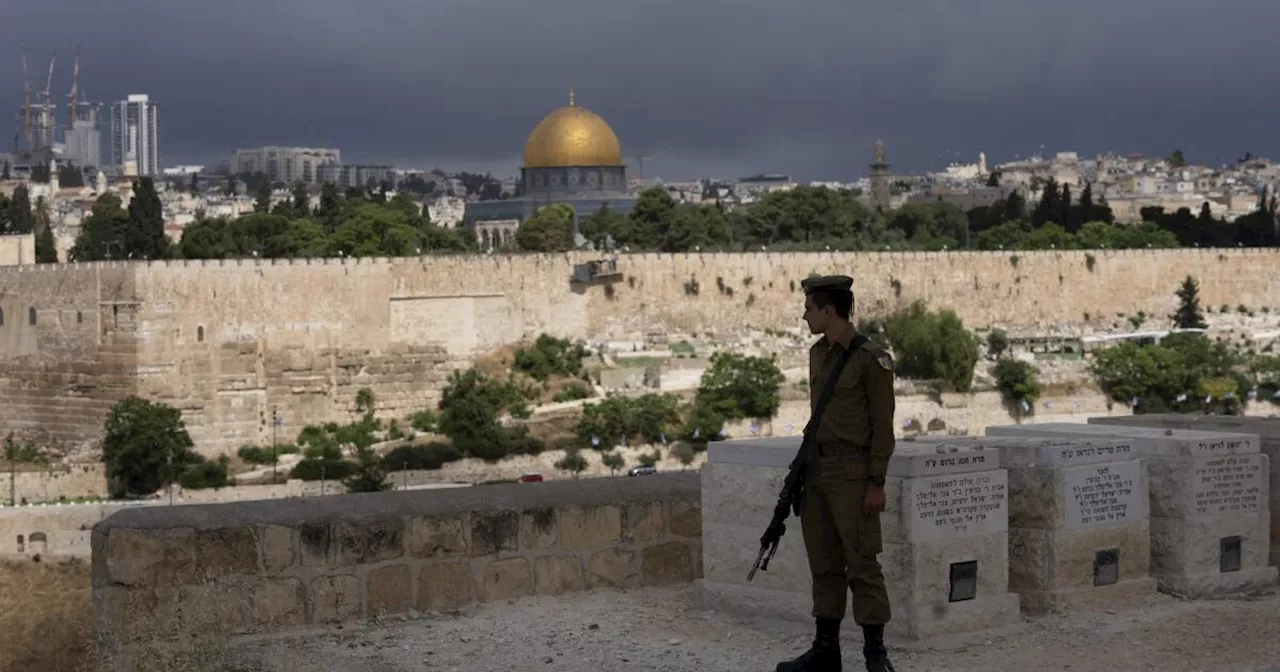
(824, 655)
(873, 649)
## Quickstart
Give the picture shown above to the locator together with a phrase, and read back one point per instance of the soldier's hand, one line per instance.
(873, 502)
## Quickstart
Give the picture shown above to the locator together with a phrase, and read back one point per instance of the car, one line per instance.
(644, 470)
(531, 478)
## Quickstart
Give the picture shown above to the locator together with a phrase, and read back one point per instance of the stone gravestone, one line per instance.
(1210, 527)
(945, 534)
(1078, 519)
(1268, 429)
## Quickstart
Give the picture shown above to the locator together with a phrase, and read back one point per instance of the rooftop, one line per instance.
(665, 630)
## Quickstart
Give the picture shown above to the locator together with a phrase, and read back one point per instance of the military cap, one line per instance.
(841, 283)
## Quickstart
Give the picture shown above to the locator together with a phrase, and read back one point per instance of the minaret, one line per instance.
(571, 104)
(880, 178)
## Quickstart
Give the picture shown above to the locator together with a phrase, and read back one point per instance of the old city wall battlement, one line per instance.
(229, 342)
(174, 578)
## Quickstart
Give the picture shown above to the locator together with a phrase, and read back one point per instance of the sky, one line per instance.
(703, 88)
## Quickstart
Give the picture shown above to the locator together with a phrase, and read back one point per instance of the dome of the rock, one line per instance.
(572, 136)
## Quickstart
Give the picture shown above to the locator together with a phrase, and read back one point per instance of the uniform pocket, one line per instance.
(869, 540)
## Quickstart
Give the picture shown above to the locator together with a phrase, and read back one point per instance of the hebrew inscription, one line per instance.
(1228, 484)
(960, 505)
(1102, 494)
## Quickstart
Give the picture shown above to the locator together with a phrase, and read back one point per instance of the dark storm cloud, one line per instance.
(712, 87)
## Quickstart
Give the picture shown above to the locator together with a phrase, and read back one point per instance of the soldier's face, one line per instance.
(815, 317)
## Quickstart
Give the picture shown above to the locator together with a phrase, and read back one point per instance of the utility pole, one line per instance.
(275, 425)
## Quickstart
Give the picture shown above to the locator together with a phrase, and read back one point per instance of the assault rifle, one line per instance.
(792, 494)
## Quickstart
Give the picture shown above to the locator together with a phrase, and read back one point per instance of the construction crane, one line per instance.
(48, 102)
(75, 84)
(26, 103)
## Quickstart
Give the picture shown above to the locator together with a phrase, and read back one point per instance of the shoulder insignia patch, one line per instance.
(885, 361)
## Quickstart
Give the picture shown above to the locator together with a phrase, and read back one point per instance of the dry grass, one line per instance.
(46, 616)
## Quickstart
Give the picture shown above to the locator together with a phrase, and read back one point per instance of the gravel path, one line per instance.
(665, 630)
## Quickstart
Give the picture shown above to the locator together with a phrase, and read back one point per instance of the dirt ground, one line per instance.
(46, 617)
(665, 630)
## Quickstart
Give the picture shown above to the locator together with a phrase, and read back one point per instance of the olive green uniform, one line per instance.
(852, 445)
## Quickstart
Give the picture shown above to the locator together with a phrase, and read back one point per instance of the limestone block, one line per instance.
(505, 579)
(431, 537)
(494, 531)
(686, 518)
(123, 614)
(538, 528)
(614, 567)
(278, 603)
(279, 547)
(215, 608)
(390, 590)
(591, 526)
(333, 598)
(224, 551)
(642, 522)
(317, 545)
(554, 575)
(445, 586)
(151, 557)
(671, 562)
(369, 542)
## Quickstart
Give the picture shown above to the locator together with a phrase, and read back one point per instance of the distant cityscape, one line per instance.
(68, 155)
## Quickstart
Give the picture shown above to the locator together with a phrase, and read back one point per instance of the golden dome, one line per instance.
(572, 136)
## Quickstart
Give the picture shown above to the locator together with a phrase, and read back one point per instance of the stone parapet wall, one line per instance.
(168, 578)
(229, 341)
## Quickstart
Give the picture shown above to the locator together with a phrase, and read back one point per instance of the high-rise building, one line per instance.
(83, 141)
(285, 164)
(135, 137)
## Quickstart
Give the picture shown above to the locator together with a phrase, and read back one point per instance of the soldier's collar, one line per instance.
(846, 337)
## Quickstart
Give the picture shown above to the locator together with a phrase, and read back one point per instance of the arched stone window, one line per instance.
(31, 315)
(21, 545)
(79, 317)
(199, 334)
(38, 542)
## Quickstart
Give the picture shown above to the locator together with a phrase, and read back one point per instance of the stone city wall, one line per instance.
(17, 249)
(87, 480)
(178, 578)
(228, 341)
(60, 530)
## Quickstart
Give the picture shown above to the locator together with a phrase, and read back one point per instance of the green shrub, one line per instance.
(205, 475)
(469, 410)
(550, 356)
(1018, 380)
(430, 456)
(313, 469)
(740, 386)
(932, 346)
(571, 392)
(997, 342)
(424, 421)
(263, 455)
(639, 419)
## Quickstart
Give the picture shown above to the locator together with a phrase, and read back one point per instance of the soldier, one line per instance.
(844, 486)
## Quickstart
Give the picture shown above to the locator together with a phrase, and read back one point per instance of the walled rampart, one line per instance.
(53, 530)
(232, 341)
(56, 482)
(169, 579)
(17, 249)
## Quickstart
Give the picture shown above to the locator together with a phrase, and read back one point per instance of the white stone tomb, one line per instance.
(1079, 529)
(945, 534)
(1268, 429)
(1210, 526)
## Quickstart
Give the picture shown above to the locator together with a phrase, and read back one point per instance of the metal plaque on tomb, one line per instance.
(1106, 567)
(1229, 554)
(964, 581)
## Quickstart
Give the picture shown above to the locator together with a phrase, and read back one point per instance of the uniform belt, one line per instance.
(832, 449)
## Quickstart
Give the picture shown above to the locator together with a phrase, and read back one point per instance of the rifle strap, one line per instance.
(830, 387)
